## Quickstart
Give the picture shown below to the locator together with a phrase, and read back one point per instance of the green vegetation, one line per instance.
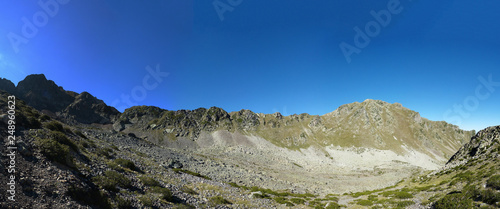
(54, 150)
(165, 193)
(188, 190)
(148, 181)
(61, 138)
(106, 152)
(122, 203)
(283, 200)
(297, 201)
(111, 179)
(79, 133)
(455, 200)
(44, 118)
(218, 200)
(89, 196)
(146, 200)
(400, 194)
(297, 165)
(404, 204)
(178, 170)
(125, 163)
(54, 126)
(494, 182)
(364, 202)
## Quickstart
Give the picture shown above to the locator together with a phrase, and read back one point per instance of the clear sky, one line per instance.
(440, 58)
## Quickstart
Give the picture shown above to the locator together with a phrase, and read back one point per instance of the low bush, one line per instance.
(283, 200)
(403, 195)
(494, 182)
(178, 170)
(54, 150)
(148, 181)
(122, 203)
(364, 202)
(166, 194)
(61, 138)
(44, 118)
(333, 205)
(54, 126)
(297, 201)
(404, 204)
(455, 200)
(146, 200)
(90, 196)
(188, 190)
(79, 133)
(111, 179)
(125, 163)
(489, 196)
(218, 200)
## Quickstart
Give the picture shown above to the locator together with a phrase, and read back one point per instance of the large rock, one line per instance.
(88, 109)
(7, 86)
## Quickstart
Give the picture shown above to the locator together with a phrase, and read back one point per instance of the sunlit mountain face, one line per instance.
(244, 104)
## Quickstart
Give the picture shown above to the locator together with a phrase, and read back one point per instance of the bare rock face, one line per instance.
(7, 86)
(43, 94)
(46, 96)
(485, 142)
(88, 109)
(246, 119)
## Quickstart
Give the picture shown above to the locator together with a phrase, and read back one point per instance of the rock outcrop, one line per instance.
(485, 143)
(46, 96)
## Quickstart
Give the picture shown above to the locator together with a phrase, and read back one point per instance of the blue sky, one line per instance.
(441, 59)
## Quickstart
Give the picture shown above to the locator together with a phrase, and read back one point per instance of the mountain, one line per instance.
(74, 151)
(46, 96)
(371, 124)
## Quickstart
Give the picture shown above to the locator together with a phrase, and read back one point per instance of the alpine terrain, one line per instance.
(75, 151)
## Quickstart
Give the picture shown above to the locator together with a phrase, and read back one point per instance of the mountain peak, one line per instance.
(42, 94)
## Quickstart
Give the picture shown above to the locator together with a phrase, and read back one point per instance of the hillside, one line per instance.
(74, 150)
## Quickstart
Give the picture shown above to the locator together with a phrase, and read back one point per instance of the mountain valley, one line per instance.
(75, 151)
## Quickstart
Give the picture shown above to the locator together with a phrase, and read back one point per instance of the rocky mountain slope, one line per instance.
(77, 152)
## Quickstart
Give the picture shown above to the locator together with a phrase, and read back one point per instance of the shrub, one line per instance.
(79, 133)
(455, 200)
(404, 204)
(403, 195)
(146, 200)
(188, 190)
(121, 203)
(166, 194)
(54, 126)
(106, 152)
(148, 181)
(494, 182)
(53, 150)
(125, 163)
(365, 202)
(297, 201)
(91, 196)
(111, 179)
(489, 196)
(283, 200)
(333, 205)
(178, 170)
(218, 200)
(44, 118)
(61, 138)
